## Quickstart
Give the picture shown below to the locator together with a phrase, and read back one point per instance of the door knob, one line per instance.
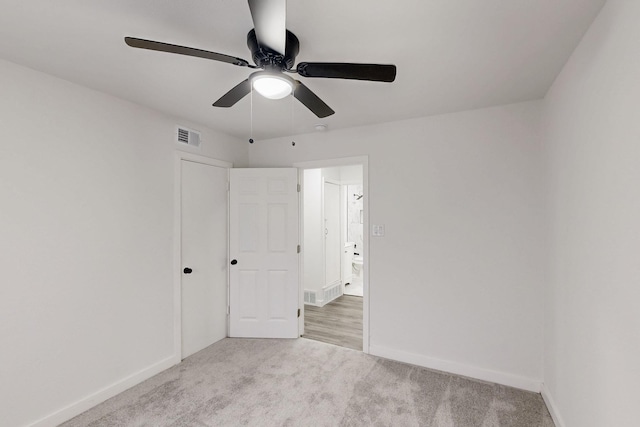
(234, 261)
(187, 270)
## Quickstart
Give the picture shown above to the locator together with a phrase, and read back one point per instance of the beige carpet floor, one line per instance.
(253, 382)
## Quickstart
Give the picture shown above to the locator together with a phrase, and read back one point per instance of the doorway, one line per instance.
(183, 273)
(330, 314)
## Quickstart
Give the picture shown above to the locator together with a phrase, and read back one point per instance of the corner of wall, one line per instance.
(552, 406)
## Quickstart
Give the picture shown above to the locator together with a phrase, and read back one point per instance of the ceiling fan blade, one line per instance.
(311, 100)
(230, 98)
(269, 21)
(340, 70)
(182, 50)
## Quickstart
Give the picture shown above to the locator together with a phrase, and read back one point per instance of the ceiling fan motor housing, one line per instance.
(267, 58)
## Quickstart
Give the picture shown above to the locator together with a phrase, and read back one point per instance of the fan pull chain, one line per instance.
(251, 117)
(293, 143)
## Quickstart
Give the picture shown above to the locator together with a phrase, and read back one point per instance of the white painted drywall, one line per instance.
(351, 174)
(312, 245)
(592, 334)
(457, 281)
(86, 253)
(332, 174)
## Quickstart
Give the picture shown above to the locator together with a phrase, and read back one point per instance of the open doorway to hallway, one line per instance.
(333, 205)
(338, 322)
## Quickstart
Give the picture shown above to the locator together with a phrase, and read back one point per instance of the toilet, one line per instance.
(357, 265)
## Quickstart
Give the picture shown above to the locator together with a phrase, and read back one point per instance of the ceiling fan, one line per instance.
(274, 49)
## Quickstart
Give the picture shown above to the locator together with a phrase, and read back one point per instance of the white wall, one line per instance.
(592, 336)
(332, 174)
(351, 174)
(86, 229)
(457, 281)
(313, 245)
(86, 225)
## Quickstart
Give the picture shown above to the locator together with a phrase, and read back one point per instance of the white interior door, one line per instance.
(203, 214)
(332, 233)
(263, 241)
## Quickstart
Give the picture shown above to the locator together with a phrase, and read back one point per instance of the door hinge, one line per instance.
(298, 188)
(298, 249)
(298, 312)
(228, 310)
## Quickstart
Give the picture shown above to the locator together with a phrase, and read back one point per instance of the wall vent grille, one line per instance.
(310, 297)
(187, 136)
(332, 293)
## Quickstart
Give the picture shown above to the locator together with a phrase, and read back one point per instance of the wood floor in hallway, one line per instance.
(339, 322)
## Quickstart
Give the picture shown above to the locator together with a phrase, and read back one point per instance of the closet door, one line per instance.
(203, 223)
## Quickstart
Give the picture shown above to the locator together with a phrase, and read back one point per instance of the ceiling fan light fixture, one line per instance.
(272, 86)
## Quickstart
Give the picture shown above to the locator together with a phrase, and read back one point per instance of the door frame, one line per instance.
(177, 241)
(344, 161)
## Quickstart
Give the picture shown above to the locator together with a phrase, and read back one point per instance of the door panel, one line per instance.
(203, 212)
(277, 282)
(263, 232)
(277, 232)
(248, 234)
(248, 292)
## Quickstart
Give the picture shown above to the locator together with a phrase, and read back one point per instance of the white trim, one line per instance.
(552, 406)
(458, 368)
(323, 238)
(301, 301)
(328, 163)
(331, 181)
(177, 249)
(366, 290)
(197, 158)
(348, 161)
(100, 396)
(350, 182)
(343, 234)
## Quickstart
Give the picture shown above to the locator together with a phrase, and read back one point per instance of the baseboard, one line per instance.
(100, 396)
(552, 407)
(458, 368)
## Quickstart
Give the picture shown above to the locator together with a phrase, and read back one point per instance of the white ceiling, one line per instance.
(452, 55)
